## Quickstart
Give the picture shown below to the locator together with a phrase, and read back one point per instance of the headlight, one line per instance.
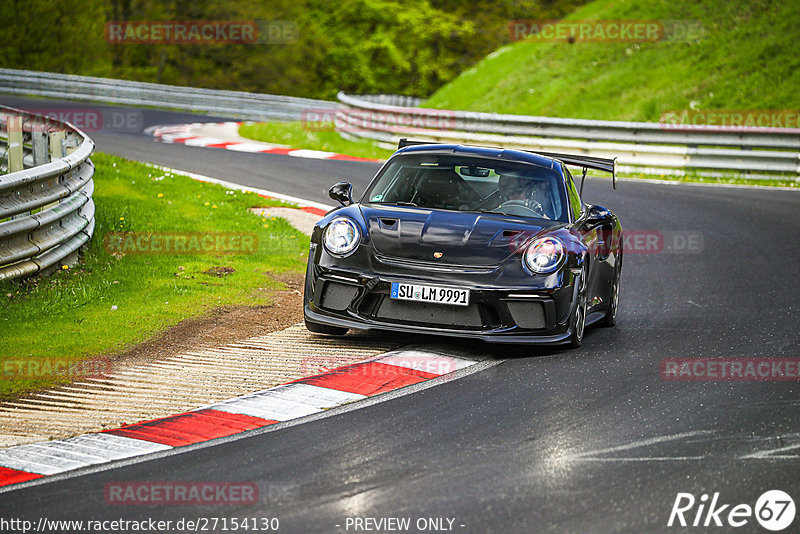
(544, 255)
(341, 236)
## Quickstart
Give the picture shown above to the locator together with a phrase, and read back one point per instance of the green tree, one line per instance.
(360, 46)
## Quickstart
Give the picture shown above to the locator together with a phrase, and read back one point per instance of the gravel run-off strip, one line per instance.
(181, 383)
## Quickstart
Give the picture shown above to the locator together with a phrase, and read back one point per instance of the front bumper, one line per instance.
(490, 337)
(353, 298)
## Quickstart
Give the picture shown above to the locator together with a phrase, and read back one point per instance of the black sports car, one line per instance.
(467, 241)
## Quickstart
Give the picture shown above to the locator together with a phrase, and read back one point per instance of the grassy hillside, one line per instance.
(748, 58)
(311, 48)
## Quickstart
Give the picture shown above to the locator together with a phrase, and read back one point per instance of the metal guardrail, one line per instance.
(46, 207)
(651, 148)
(250, 106)
(638, 147)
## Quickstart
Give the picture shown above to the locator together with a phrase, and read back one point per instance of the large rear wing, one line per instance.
(587, 162)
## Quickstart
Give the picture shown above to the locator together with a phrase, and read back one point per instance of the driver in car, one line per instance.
(521, 191)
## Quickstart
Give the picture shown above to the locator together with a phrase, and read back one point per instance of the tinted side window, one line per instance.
(575, 204)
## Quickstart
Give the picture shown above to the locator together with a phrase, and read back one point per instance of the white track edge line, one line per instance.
(239, 187)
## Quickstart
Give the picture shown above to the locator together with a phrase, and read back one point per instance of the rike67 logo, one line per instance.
(774, 510)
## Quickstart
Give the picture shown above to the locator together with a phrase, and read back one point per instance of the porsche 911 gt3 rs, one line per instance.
(454, 240)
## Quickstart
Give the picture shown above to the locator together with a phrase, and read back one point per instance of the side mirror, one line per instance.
(596, 215)
(342, 193)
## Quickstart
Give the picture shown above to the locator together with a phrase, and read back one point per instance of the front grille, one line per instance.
(438, 266)
(426, 314)
(336, 296)
(528, 315)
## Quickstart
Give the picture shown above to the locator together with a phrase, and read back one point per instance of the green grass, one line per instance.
(747, 59)
(727, 180)
(301, 135)
(69, 315)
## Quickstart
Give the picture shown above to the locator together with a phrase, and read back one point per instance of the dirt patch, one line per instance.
(222, 325)
(219, 272)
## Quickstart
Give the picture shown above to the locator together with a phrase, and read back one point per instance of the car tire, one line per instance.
(325, 329)
(610, 318)
(578, 321)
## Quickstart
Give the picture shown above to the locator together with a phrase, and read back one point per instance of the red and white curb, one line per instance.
(306, 396)
(225, 135)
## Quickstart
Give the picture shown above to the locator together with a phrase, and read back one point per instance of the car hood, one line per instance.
(460, 238)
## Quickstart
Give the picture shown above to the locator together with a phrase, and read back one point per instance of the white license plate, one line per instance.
(435, 294)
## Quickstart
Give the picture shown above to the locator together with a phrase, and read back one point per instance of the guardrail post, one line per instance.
(41, 152)
(14, 144)
(797, 178)
(56, 145)
(69, 145)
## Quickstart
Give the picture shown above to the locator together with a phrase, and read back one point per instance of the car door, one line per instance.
(595, 287)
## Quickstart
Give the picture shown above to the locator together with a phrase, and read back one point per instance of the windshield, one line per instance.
(460, 183)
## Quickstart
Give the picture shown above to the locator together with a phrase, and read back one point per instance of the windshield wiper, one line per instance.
(490, 212)
(411, 204)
